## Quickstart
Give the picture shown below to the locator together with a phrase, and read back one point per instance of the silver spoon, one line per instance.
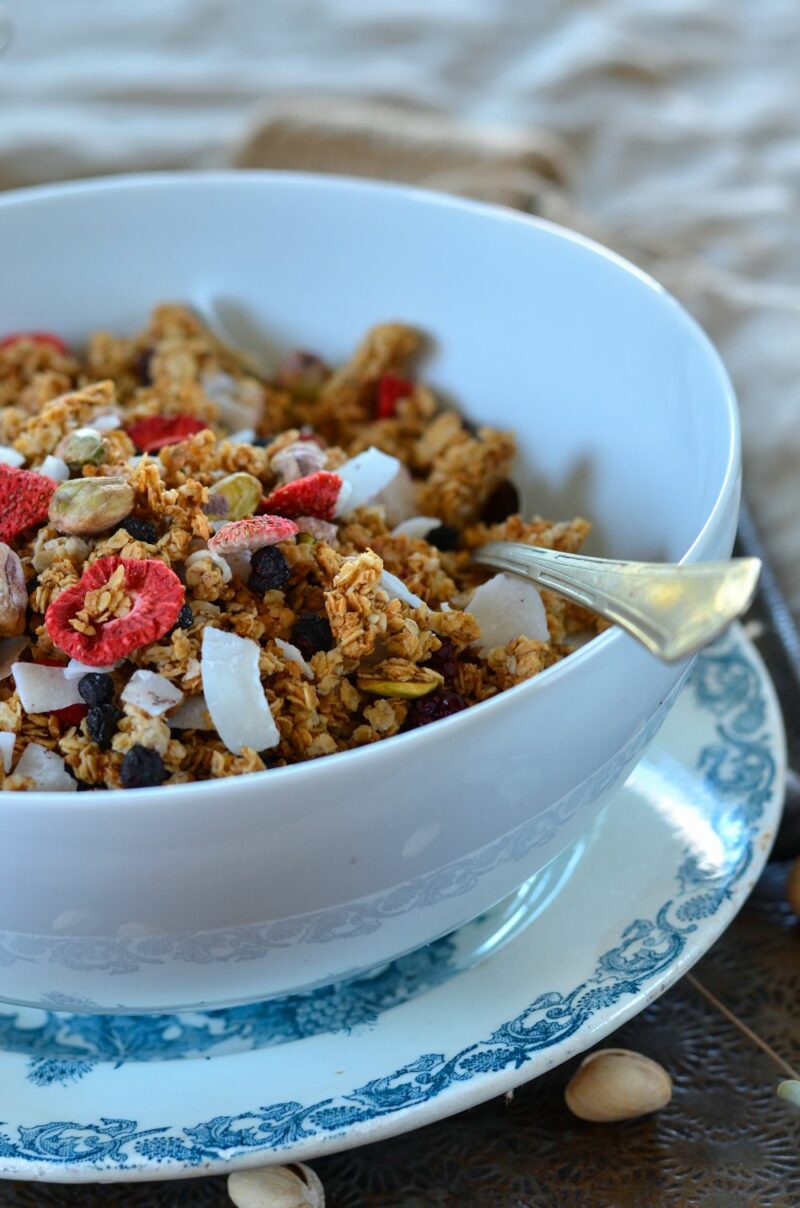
(671, 609)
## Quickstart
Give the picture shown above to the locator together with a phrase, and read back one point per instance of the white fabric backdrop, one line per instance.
(682, 118)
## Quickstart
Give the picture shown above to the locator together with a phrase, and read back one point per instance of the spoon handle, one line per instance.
(673, 610)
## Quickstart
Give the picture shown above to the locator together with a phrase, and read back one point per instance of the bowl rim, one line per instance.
(603, 644)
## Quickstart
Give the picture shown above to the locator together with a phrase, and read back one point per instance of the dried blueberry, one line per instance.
(433, 708)
(444, 537)
(141, 768)
(101, 724)
(262, 442)
(140, 530)
(268, 570)
(185, 617)
(502, 503)
(32, 584)
(312, 633)
(96, 688)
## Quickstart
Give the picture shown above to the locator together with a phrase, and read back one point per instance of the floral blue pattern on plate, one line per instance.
(687, 836)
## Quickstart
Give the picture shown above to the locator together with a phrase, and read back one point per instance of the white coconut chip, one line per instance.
(245, 436)
(399, 498)
(10, 457)
(42, 689)
(55, 468)
(240, 403)
(45, 769)
(507, 607)
(416, 527)
(396, 590)
(216, 558)
(151, 692)
(10, 650)
(76, 670)
(291, 653)
(7, 750)
(193, 714)
(109, 421)
(233, 692)
(367, 474)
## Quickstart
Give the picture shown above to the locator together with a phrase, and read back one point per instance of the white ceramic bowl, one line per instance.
(229, 891)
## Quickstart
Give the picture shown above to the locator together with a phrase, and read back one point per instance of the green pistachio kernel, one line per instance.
(398, 689)
(242, 493)
(83, 447)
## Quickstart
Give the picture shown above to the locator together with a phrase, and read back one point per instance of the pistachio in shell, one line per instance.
(617, 1084)
(86, 506)
(13, 594)
(294, 1186)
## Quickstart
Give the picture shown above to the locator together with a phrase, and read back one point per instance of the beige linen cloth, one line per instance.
(668, 129)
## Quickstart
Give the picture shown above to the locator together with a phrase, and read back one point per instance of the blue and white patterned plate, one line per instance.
(86, 1098)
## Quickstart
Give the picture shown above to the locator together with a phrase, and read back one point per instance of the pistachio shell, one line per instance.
(295, 1186)
(242, 493)
(90, 505)
(398, 689)
(13, 594)
(617, 1084)
(84, 446)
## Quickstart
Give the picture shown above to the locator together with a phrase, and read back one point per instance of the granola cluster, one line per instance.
(320, 520)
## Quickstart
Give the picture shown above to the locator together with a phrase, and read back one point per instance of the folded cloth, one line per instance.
(533, 170)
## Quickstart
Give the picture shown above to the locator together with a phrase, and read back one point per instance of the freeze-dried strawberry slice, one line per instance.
(157, 431)
(390, 390)
(24, 500)
(315, 495)
(35, 337)
(156, 595)
(254, 532)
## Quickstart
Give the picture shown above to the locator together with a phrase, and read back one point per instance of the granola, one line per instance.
(255, 571)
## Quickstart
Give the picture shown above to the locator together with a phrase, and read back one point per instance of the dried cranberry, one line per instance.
(443, 660)
(433, 708)
(143, 367)
(391, 389)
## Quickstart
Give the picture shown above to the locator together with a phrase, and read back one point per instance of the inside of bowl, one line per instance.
(621, 410)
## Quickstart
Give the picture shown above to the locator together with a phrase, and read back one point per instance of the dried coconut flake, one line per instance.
(233, 692)
(45, 769)
(508, 607)
(151, 692)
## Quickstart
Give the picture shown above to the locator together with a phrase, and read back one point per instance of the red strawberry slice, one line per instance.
(254, 532)
(315, 495)
(156, 431)
(35, 337)
(157, 595)
(390, 390)
(24, 500)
